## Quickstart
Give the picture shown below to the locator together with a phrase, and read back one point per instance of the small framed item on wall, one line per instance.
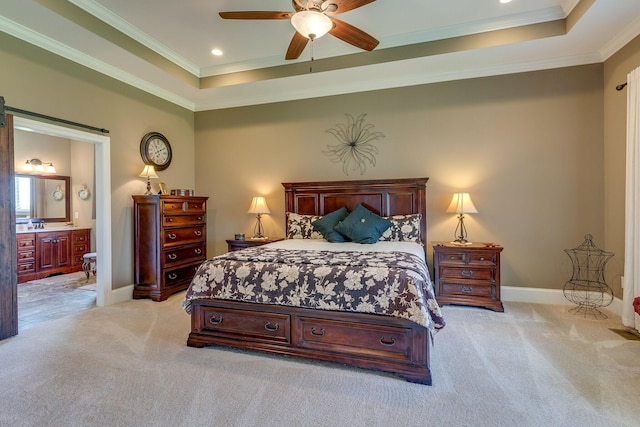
(163, 188)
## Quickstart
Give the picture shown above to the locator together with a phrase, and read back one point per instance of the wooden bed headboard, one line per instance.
(384, 197)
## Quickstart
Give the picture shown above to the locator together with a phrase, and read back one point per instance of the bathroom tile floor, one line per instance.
(55, 297)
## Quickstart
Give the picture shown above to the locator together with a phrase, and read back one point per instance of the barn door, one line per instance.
(8, 262)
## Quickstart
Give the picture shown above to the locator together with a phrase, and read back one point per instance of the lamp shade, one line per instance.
(311, 23)
(258, 206)
(148, 172)
(461, 204)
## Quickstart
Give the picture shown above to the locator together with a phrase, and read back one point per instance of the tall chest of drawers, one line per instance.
(170, 240)
(468, 274)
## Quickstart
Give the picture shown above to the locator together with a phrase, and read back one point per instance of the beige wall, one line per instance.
(35, 80)
(528, 147)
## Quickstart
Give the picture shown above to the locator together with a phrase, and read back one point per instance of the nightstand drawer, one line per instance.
(471, 289)
(467, 273)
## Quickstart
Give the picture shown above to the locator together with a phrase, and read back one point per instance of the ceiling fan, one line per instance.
(313, 19)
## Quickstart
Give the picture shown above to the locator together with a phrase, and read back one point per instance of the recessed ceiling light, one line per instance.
(505, 1)
(216, 52)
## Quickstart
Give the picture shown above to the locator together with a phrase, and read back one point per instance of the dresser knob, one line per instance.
(215, 321)
(466, 289)
(173, 276)
(198, 251)
(172, 236)
(172, 256)
(482, 258)
(389, 343)
(466, 273)
(317, 334)
(198, 233)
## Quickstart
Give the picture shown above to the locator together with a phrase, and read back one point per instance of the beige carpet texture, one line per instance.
(128, 365)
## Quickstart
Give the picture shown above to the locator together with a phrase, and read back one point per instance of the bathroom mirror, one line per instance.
(42, 197)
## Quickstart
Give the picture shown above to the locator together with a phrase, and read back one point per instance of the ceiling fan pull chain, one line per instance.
(311, 64)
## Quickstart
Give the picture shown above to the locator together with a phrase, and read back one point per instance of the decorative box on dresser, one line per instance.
(468, 274)
(170, 243)
(45, 252)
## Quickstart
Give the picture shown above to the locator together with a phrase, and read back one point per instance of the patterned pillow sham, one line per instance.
(299, 226)
(404, 228)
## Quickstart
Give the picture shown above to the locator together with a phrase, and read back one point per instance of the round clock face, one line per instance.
(83, 194)
(58, 195)
(156, 150)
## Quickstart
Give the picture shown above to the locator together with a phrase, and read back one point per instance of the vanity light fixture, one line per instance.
(259, 207)
(148, 172)
(461, 204)
(39, 166)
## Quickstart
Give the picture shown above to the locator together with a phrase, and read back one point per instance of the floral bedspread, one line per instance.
(388, 283)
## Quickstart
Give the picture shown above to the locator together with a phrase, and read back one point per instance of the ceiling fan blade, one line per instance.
(256, 15)
(342, 6)
(352, 35)
(297, 45)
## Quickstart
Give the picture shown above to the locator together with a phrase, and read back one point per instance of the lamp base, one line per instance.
(461, 242)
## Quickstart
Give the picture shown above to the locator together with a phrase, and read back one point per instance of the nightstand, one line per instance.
(236, 245)
(468, 274)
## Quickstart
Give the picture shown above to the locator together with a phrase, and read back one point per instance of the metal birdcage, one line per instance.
(587, 287)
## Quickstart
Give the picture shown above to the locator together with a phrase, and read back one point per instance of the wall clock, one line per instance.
(84, 192)
(155, 150)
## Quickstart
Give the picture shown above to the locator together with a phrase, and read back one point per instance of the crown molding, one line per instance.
(125, 27)
(53, 46)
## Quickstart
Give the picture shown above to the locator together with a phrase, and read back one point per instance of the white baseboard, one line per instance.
(121, 294)
(547, 296)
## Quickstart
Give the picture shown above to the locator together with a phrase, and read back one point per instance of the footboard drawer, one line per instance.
(246, 324)
(376, 341)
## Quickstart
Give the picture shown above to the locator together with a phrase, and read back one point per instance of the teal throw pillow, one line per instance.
(326, 224)
(363, 226)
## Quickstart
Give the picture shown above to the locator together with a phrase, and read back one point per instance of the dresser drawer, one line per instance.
(375, 341)
(179, 236)
(180, 276)
(256, 325)
(466, 273)
(26, 255)
(26, 241)
(181, 254)
(26, 267)
(477, 289)
(172, 206)
(169, 220)
(193, 206)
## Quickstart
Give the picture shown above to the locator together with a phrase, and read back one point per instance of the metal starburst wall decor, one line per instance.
(354, 149)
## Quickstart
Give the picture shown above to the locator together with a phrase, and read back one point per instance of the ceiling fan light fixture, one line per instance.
(311, 24)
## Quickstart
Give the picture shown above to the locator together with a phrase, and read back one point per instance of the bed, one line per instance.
(330, 308)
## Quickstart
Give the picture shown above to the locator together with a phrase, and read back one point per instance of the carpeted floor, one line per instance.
(128, 365)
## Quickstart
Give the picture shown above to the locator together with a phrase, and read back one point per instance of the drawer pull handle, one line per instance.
(389, 343)
(198, 233)
(173, 276)
(200, 218)
(172, 256)
(172, 236)
(466, 273)
(198, 251)
(317, 334)
(452, 257)
(270, 328)
(466, 289)
(169, 219)
(215, 321)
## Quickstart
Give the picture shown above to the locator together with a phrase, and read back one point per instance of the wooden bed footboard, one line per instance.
(369, 341)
